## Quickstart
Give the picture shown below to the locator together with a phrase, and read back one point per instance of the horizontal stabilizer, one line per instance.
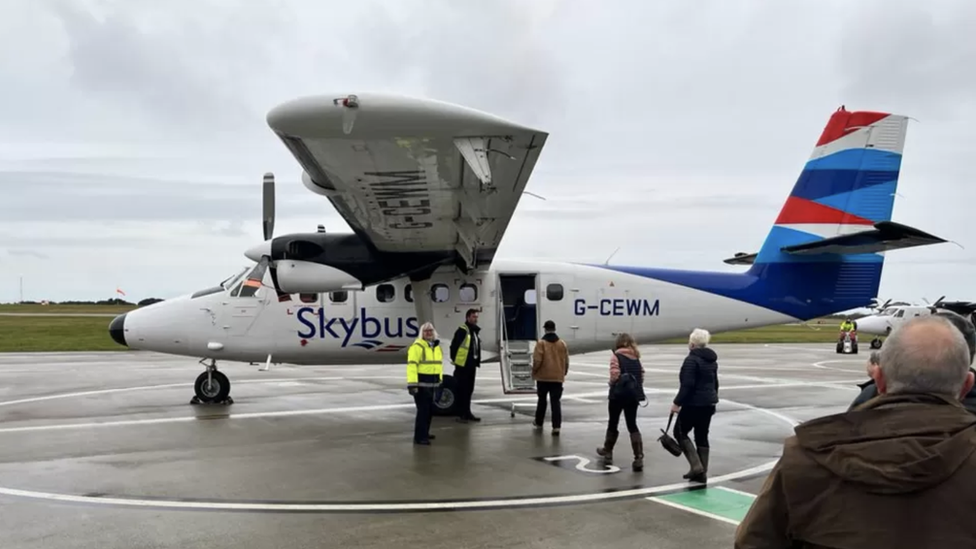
(742, 258)
(886, 235)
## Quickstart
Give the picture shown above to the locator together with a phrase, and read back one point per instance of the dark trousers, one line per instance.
(630, 415)
(697, 418)
(424, 399)
(553, 390)
(464, 388)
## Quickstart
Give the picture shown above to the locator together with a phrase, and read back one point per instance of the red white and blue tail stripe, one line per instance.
(825, 251)
(846, 186)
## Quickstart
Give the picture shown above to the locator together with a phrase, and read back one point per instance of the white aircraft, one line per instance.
(429, 189)
(891, 317)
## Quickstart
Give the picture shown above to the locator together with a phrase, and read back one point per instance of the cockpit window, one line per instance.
(888, 312)
(208, 291)
(231, 280)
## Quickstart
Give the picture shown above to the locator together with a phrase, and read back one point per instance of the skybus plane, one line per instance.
(429, 188)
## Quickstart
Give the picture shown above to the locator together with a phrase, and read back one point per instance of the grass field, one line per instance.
(60, 309)
(53, 333)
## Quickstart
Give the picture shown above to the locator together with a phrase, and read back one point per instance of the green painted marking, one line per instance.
(717, 502)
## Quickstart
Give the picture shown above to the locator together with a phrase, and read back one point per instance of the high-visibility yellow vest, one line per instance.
(462, 353)
(425, 364)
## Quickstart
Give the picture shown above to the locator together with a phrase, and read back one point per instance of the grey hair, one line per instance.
(431, 326)
(699, 337)
(919, 360)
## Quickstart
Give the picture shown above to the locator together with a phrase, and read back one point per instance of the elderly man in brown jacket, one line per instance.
(550, 364)
(896, 472)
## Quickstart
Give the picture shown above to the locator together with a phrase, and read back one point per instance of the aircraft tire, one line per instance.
(446, 403)
(218, 393)
(876, 343)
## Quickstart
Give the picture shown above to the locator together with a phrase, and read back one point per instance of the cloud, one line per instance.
(134, 135)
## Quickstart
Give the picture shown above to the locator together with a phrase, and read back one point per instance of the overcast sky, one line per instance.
(676, 128)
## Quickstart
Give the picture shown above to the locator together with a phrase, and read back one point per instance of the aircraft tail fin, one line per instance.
(833, 230)
(847, 186)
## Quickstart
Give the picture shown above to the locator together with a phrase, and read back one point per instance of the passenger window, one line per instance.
(385, 293)
(468, 293)
(554, 292)
(408, 293)
(308, 298)
(338, 297)
(530, 297)
(440, 293)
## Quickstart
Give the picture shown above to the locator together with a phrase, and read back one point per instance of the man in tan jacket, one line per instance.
(550, 364)
(897, 471)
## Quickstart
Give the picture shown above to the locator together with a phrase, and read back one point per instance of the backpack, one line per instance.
(628, 388)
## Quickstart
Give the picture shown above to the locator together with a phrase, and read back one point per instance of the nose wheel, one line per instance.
(212, 387)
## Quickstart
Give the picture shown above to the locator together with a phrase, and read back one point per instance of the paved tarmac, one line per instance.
(104, 450)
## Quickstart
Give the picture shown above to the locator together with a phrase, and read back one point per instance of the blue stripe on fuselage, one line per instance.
(800, 290)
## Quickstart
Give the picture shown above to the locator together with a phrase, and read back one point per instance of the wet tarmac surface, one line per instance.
(104, 450)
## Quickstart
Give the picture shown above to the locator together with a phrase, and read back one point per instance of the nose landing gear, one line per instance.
(212, 387)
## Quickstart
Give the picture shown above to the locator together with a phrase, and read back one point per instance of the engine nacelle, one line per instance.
(295, 276)
(321, 262)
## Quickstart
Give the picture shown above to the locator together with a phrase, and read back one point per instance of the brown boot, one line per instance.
(637, 443)
(606, 452)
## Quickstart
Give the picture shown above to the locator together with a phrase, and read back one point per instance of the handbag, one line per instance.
(667, 441)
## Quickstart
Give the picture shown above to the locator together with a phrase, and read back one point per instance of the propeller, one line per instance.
(256, 275)
(880, 308)
(934, 306)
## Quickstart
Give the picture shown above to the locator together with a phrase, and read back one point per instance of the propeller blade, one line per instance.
(268, 205)
(282, 296)
(253, 280)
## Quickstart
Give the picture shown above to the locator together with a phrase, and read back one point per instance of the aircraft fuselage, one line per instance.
(590, 305)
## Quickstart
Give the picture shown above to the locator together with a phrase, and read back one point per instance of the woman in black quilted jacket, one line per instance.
(695, 403)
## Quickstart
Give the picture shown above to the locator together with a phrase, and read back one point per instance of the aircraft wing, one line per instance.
(964, 308)
(412, 175)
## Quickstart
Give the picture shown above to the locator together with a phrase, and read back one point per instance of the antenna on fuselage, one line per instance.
(607, 262)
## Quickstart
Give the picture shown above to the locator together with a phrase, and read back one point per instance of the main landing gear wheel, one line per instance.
(212, 387)
(445, 399)
(876, 343)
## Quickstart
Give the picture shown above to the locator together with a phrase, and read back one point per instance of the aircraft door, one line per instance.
(240, 309)
(556, 302)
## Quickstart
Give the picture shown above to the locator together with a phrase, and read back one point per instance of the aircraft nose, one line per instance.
(116, 329)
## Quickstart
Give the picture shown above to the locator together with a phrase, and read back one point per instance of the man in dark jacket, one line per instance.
(869, 389)
(897, 472)
(695, 403)
(466, 357)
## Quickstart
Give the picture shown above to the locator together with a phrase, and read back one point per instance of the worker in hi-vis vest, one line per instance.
(425, 372)
(466, 357)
